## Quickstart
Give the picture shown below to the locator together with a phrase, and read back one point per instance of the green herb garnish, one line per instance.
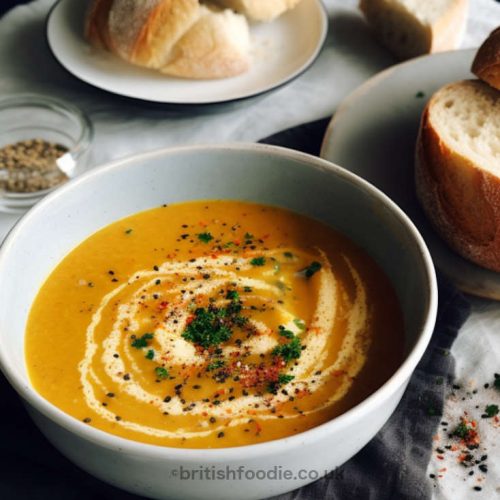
(141, 342)
(419, 94)
(232, 295)
(491, 410)
(496, 383)
(150, 354)
(289, 351)
(258, 261)
(461, 430)
(205, 237)
(285, 333)
(249, 236)
(128, 231)
(299, 324)
(215, 365)
(288, 255)
(311, 269)
(161, 372)
(283, 379)
(213, 325)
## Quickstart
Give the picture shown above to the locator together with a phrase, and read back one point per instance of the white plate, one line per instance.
(373, 134)
(281, 51)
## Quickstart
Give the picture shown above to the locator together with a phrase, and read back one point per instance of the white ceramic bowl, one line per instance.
(258, 173)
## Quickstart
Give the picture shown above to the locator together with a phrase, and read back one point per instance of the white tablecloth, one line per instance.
(350, 56)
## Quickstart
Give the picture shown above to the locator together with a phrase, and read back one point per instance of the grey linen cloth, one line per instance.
(392, 466)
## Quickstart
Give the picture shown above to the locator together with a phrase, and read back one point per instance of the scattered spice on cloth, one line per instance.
(468, 437)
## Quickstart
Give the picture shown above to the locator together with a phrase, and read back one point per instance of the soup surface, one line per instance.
(213, 324)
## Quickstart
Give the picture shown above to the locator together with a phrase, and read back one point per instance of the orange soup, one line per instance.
(213, 324)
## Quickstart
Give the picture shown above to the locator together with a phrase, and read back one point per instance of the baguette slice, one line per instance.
(217, 46)
(144, 32)
(178, 37)
(486, 65)
(259, 10)
(457, 171)
(410, 28)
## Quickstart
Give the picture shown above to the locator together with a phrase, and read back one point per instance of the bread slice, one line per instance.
(144, 32)
(486, 65)
(259, 10)
(217, 46)
(409, 28)
(457, 171)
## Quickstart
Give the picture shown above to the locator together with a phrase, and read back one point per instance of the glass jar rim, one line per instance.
(54, 104)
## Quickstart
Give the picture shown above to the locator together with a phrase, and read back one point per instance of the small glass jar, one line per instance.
(43, 142)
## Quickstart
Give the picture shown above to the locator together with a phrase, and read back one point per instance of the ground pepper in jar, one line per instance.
(30, 165)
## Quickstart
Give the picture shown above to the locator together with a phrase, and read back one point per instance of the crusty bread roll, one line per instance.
(260, 10)
(409, 28)
(216, 45)
(457, 170)
(486, 65)
(177, 37)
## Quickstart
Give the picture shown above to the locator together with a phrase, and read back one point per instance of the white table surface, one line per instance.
(350, 56)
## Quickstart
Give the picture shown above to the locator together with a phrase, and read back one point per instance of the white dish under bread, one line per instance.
(278, 56)
(374, 132)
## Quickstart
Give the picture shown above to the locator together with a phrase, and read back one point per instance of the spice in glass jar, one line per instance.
(31, 165)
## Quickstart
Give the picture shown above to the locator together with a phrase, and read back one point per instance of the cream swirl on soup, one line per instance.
(259, 361)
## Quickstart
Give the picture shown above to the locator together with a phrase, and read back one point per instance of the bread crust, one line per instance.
(96, 24)
(461, 200)
(412, 36)
(486, 64)
(177, 37)
(166, 25)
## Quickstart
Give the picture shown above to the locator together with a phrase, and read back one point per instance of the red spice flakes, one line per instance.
(259, 375)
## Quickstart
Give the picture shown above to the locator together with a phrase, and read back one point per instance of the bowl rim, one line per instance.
(123, 445)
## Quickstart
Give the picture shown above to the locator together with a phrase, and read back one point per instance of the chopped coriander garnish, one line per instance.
(211, 326)
(150, 354)
(491, 410)
(232, 295)
(128, 231)
(161, 372)
(285, 333)
(247, 289)
(289, 351)
(461, 430)
(311, 269)
(258, 261)
(205, 237)
(141, 342)
(215, 365)
(299, 324)
(249, 236)
(284, 379)
(288, 255)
